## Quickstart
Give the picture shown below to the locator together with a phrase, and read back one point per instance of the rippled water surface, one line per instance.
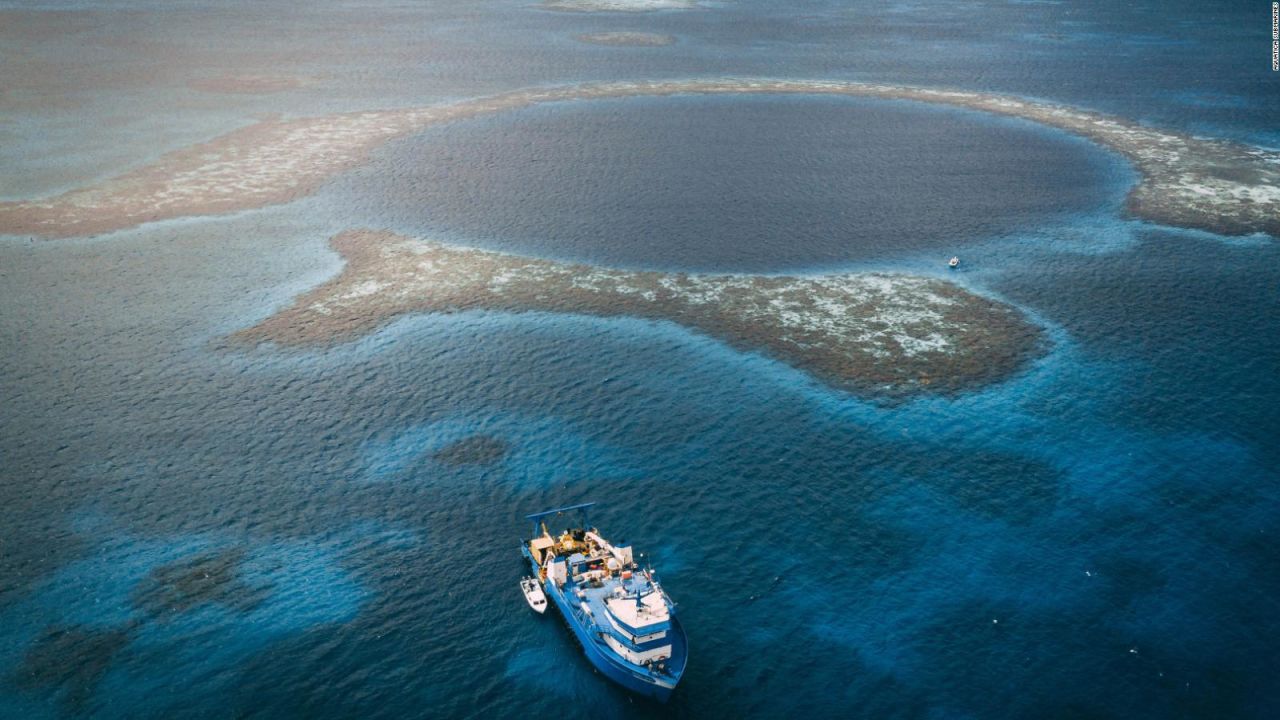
(729, 183)
(189, 531)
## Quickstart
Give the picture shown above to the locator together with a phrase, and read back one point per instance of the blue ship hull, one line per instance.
(603, 659)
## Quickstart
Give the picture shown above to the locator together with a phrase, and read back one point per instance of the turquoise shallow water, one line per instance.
(1091, 538)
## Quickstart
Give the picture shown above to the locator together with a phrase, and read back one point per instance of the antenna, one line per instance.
(557, 511)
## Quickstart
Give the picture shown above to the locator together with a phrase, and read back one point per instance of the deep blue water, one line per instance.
(663, 183)
(1094, 537)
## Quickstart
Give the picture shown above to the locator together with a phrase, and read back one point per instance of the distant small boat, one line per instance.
(533, 595)
(954, 262)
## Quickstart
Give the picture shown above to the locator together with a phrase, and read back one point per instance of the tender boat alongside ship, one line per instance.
(622, 618)
(533, 594)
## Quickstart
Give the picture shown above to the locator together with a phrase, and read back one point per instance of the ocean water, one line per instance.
(187, 531)
(659, 183)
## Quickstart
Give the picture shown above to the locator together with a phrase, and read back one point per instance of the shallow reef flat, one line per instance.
(874, 333)
(626, 39)
(1185, 181)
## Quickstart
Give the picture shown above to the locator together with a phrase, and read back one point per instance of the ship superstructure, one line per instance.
(621, 616)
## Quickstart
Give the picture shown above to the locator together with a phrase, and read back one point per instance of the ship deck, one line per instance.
(595, 598)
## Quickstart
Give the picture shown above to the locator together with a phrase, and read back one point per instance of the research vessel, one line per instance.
(620, 615)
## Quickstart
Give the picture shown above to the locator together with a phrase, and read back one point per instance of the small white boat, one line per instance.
(954, 262)
(533, 595)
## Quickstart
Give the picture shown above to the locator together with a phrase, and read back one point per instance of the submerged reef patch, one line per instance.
(71, 659)
(630, 39)
(246, 84)
(885, 334)
(1191, 182)
(618, 5)
(140, 616)
(473, 450)
(213, 577)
